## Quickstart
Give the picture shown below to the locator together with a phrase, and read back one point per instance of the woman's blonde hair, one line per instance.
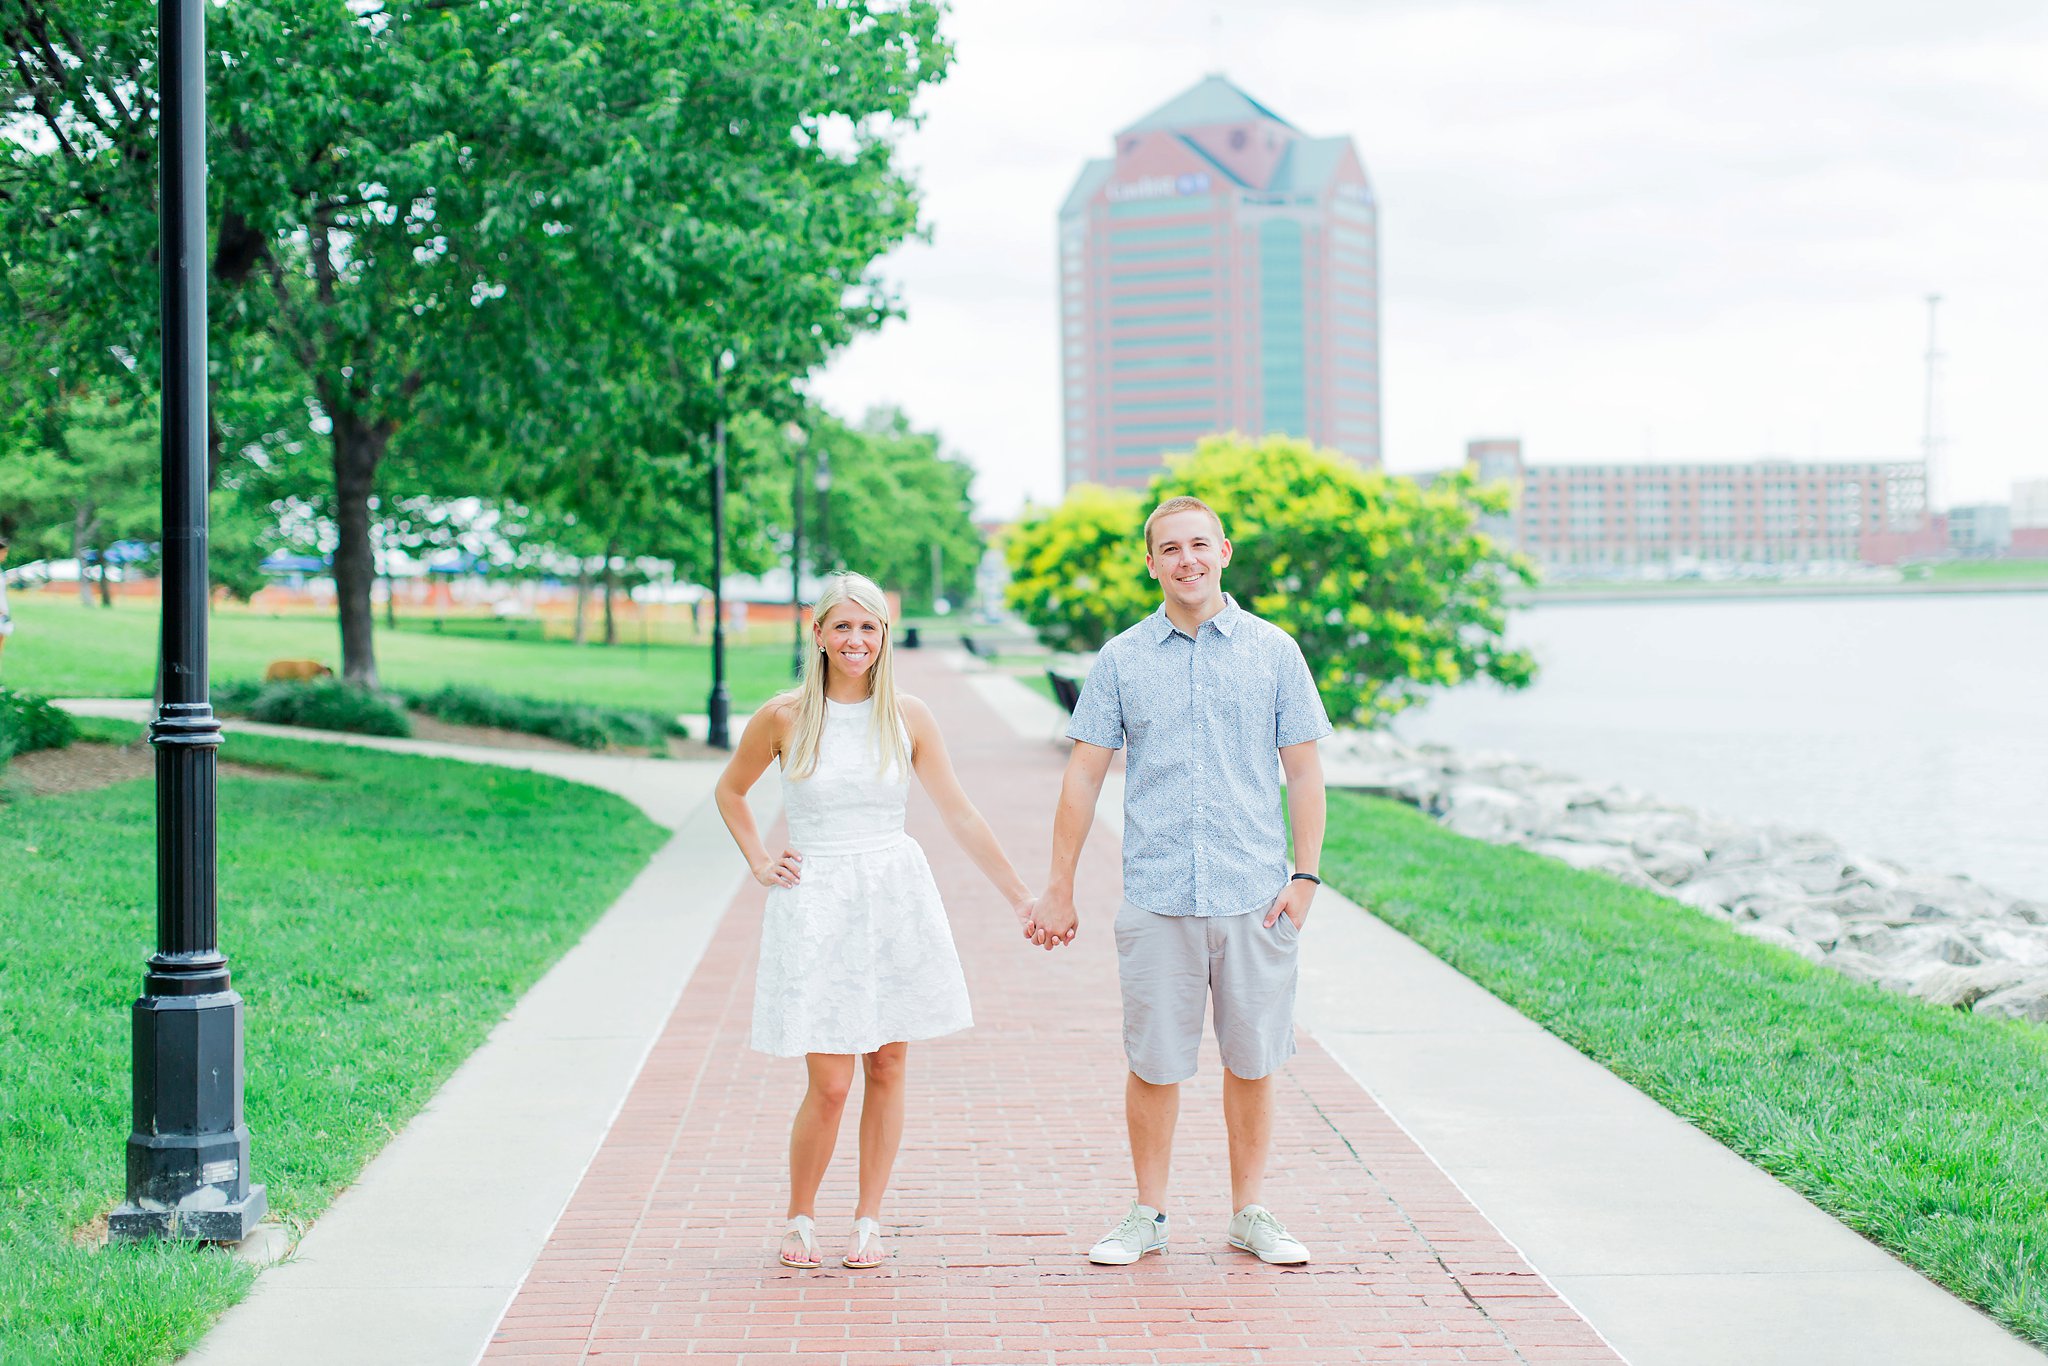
(886, 724)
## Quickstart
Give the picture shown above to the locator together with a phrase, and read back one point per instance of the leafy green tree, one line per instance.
(445, 214)
(106, 467)
(895, 496)
(85, 472)
(1390, 587)
(88, 481)
(1077, 572)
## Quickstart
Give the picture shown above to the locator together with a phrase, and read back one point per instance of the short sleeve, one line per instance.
(1099, 714)
(1299, 713)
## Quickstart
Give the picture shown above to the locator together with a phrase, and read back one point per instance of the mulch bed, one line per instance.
(426, 727)
(87, 764)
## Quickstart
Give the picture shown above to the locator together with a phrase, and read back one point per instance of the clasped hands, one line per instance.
(1049, 920)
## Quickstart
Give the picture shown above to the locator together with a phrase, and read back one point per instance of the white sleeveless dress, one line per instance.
(858, 954)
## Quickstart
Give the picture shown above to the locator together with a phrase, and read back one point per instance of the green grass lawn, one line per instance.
(1919, 1127)
(380, 914)
(60, 649)
(1988, 571)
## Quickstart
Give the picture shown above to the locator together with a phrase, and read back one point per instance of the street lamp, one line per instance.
(794, 434)
(824, 486)
(188, 1156)
(716, 730)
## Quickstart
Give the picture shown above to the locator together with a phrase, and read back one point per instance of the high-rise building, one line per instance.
(1219, 273)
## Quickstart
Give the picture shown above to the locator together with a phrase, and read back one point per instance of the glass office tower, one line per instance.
(1219, 273)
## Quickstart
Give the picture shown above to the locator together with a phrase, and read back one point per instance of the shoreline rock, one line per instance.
(1943, 938)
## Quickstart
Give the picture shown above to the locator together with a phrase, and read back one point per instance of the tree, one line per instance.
(895, 497)
(1390, 587)
(1075, 570)
(448, 214)
(105, 467)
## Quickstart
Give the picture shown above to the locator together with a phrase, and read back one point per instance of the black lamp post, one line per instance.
(188, 1157)
(824, 486)
(795, 436)
(717, 731)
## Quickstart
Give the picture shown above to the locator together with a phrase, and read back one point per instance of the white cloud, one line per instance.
(1701, 230)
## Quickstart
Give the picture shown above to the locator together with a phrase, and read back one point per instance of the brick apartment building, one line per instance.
(1775, 512)
(1219, 273)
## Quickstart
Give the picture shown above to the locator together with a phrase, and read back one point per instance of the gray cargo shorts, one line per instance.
(1170, 964)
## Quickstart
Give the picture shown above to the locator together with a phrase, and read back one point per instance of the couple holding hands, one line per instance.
(857, 960)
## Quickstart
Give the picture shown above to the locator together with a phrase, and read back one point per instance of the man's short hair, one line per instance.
(1186, 502)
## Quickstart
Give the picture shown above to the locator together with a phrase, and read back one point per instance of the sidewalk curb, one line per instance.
(416, 1261)
(1674, 1250)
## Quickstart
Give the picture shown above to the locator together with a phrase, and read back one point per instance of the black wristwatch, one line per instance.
(1306, 877)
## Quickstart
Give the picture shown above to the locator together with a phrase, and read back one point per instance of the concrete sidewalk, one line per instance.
(1679, 1252)
(1014, 1162)
(1475, 1189)
(415, 1262)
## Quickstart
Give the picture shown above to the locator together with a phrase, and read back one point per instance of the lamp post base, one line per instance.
(204, 1216)
(188, 1155)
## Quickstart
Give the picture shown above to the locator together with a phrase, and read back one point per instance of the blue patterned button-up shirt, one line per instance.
(1206, 717)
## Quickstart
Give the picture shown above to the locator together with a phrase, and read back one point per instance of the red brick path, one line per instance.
(1013, 1162)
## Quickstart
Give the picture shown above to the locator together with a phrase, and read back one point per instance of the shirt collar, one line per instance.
(1224, 621)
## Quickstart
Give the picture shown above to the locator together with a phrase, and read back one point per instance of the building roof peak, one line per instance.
(1212, 100)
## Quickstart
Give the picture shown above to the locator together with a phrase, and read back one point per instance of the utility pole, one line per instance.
(795, 435)
(824, 487)
(1930, 440)
(719, 706)
(188, 1154)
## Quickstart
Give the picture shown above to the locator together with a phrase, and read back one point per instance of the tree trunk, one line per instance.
(358, 447)
(106, 595)
(81, 532)
(582, 599)
(611, 584)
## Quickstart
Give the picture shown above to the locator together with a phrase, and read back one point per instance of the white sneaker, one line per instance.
(1143, 1230)
(1255, 1230)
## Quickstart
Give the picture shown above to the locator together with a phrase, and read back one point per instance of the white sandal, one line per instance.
(805, 1231)
(867, 1251)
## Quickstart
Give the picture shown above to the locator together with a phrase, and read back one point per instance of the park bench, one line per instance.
(1065, 691)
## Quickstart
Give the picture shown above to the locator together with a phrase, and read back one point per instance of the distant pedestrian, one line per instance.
(1212, 703)
(6, 621)
(857, 960)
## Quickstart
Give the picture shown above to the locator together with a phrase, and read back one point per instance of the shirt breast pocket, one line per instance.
(1145, 709)
(1255, 702)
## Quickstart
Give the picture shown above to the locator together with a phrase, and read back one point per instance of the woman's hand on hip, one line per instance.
(785, 869)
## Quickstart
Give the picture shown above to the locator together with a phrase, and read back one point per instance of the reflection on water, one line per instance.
(1914, 728)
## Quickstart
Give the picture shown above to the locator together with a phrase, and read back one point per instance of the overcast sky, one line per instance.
(1688, 230)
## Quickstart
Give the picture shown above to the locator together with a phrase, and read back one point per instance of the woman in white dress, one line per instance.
(857, 960)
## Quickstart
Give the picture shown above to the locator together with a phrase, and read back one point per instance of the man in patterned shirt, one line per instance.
(1212, 703)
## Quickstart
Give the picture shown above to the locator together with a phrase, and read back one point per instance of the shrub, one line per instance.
(234, 698)
(1393, 589)
(1076, 572)
(32, 723)
(329, 705)
(587, 727)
